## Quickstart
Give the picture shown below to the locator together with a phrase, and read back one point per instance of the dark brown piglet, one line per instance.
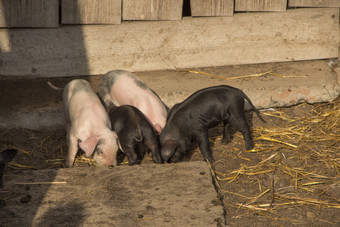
(134, 131)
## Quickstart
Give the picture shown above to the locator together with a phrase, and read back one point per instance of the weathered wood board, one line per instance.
(91, 11)
(152, 9)
(260, 5)
(29, 13)
(314, 3)
(212, 8)
(298, 34)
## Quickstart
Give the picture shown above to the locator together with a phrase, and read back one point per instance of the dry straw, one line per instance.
(305, 151)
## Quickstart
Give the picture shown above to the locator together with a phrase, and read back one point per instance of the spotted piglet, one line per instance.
(119, 87)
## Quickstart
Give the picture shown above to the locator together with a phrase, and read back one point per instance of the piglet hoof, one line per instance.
(131, 163)
(226, 140)
(249, 146)
(210, 160)
(158, 160)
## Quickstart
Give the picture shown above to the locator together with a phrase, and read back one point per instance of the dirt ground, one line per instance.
(139, 195)
(290, 179)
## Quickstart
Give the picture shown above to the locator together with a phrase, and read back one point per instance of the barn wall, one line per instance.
(29, 13)
(260, 5)
(241, 38)
(94, 12)
(212, 8)
(300, 34)
(152, 9)
(314, 3)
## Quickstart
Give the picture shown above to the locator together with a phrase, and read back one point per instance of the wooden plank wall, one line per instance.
(212, 8)
(314, 3)
(245, 38)
(260, 5)
(45, 13)
(91, 11)
(152, 9)
(29, 13)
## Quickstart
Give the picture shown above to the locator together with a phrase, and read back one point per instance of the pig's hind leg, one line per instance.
(237, 116)
(104, 95)
(108, 104)
(141, 151)
(152, 143)
(128, 145)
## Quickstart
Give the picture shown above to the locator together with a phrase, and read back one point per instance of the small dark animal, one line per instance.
(5, 156)
(191, 119)
(134, 131)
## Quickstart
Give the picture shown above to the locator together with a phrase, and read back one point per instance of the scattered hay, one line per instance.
(297, 165)
(253, 76)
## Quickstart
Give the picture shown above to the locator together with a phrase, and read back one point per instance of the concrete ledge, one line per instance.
(35, 119)
(291, 83)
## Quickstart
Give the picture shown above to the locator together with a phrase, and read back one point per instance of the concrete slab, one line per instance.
(267, 85)
(99, 196)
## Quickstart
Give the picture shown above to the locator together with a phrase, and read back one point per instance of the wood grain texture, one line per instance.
(91, 12)
(29, 13)
(152, 9)
(212, 7)
(298, 34)
(260, 5)
(314, 3)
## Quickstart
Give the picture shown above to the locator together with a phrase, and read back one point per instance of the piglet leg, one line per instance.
(72, 151)
(226, 132)
(156, 153)
(203, 143)
(239, 119)
(128, 149)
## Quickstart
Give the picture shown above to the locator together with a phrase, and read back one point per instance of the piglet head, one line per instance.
(168, 149)
(5, 156)
(106, 150)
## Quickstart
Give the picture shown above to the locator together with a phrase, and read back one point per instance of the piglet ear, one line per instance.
(7, 155)
(89, 145)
